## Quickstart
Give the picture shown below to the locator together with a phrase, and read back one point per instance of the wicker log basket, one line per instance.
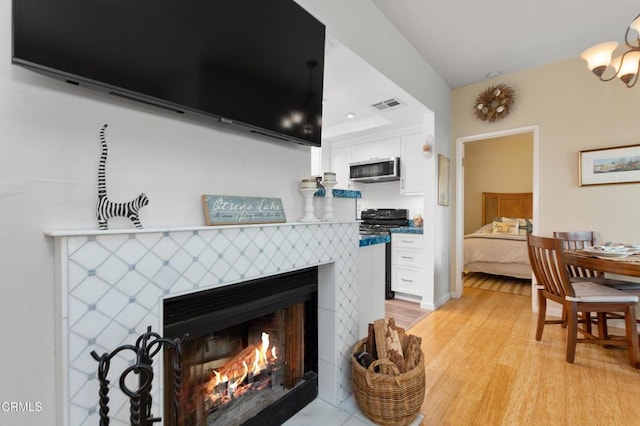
(388, 399)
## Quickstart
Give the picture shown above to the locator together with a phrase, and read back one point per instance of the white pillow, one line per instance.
(486, 229)
(511, 228)
(525, 224)
(522, 222)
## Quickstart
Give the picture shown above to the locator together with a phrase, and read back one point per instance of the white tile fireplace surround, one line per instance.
(111, 284)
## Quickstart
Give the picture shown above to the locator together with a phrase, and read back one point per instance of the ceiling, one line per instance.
(352, 86)
(464, 41)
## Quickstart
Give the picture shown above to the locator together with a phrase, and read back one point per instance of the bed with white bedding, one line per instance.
(498, 254)
(499, 247)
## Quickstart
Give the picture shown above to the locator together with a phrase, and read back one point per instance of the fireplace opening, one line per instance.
(251, 356)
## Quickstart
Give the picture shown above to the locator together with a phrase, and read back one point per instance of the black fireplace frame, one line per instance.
(204, 312)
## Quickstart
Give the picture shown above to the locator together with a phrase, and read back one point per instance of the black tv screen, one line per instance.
(257, 64)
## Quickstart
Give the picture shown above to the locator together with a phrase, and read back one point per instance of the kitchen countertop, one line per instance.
(339, 193)
(369, 240)
(407, 230)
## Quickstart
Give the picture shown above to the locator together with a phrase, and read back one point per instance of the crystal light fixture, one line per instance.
(624, 66)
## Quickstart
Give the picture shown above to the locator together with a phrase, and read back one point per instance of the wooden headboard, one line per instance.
(496, 204)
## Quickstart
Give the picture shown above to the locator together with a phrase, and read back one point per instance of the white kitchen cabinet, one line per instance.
(407, 263)
(407, 147)
(340, 159)
(371, 291)
(412, 165)
(382, 148)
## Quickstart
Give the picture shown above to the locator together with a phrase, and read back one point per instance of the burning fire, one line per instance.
(252, 361)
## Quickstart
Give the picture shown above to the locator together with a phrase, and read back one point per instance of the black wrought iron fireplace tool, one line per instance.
(145, 348)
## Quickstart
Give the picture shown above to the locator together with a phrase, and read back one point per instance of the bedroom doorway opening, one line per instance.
(464, 223)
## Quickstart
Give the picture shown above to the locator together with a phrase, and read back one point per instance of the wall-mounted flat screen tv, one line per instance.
(257, 64)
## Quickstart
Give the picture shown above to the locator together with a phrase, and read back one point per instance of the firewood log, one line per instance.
(391, 323)
(398, 360)
(235, 367)
(412, 356)
(371, 342)
(405, 343)
(393, 341)
(380, 331)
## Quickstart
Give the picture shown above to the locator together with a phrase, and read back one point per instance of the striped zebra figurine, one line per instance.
(106, 208)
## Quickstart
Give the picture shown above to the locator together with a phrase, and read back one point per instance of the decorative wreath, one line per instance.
(494, 103)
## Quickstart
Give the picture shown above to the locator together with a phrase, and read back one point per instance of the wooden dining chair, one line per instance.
(553, 283)
(577, 240)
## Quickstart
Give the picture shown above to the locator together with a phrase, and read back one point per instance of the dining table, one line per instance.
(628, 265)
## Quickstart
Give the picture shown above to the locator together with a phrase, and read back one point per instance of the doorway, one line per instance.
(460, 205)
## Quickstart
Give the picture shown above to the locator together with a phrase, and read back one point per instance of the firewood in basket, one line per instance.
(380, 331)
(412, 357)
(391, 323)
(405, 343)
(398, 360)
(371, 342)
(393, 341)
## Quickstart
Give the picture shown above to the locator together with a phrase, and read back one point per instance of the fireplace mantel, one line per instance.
(89, 232)
(110, 286)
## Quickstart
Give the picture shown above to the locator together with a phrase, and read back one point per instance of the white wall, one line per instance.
(502, 164)
(574, 112)
(49, 151)
(386, 195)
(48, 163)
(362, 28)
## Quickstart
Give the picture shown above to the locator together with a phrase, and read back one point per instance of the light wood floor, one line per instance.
(483, 366)
(405, 314)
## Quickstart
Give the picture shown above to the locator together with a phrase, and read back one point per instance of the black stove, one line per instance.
(380, 221)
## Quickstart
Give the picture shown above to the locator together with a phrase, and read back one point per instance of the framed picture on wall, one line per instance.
(443, 180)
(608, 166)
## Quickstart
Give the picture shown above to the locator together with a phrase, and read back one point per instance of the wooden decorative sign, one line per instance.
(230, 209)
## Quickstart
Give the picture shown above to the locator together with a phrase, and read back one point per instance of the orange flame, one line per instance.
(259, 360)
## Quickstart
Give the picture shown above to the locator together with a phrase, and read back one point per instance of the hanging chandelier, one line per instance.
(624, 66)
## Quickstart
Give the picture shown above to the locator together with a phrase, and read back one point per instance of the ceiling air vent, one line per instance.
(388, 104)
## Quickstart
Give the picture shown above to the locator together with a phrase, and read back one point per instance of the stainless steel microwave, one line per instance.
(375, 170)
